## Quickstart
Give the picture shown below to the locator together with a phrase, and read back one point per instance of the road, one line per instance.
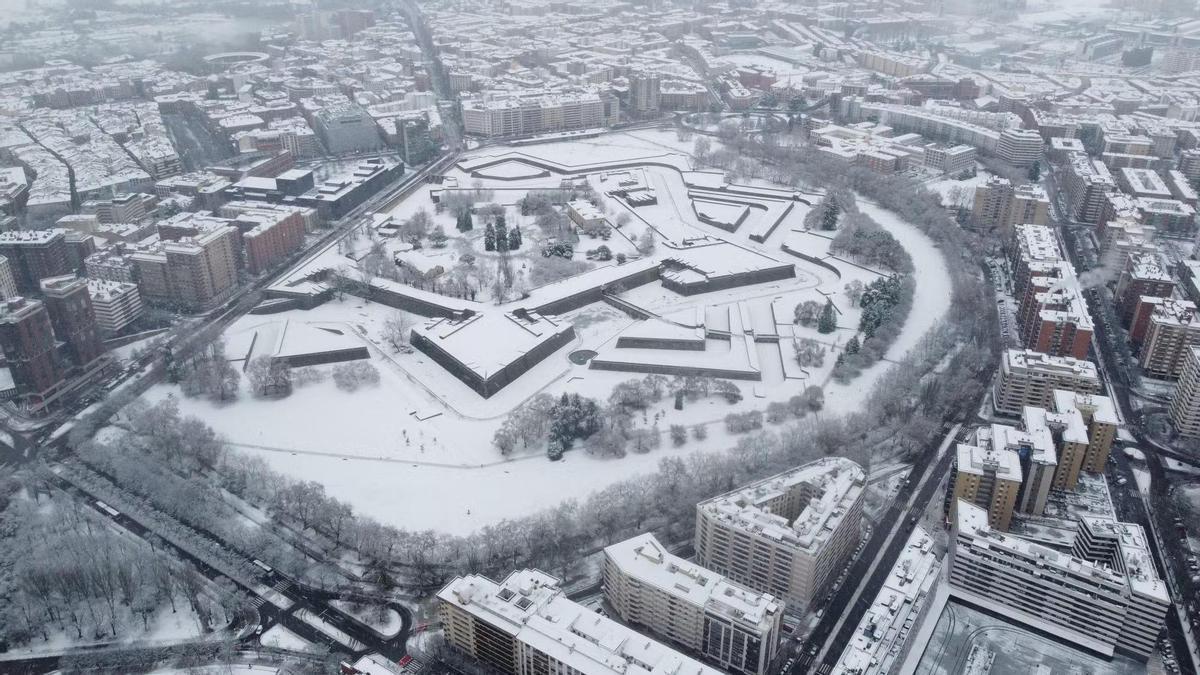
(151, 369)
(1114, 370)
(196, 333)
(847, 605)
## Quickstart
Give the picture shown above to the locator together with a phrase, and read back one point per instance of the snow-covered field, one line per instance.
(281, 638)
(396, 450)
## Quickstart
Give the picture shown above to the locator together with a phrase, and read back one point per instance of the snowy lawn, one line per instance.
(393, 451)
(279, 637)
(387, 624)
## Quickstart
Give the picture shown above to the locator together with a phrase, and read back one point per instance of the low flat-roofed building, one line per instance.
(489, 350)
(732, 626)
(525, 625)
(881, 641)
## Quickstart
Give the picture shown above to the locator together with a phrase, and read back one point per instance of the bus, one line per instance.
(262, 565)
(107, 509)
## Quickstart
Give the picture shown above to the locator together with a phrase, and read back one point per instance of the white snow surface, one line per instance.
(394, 451)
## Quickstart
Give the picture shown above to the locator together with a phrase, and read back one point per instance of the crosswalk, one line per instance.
(280, 586)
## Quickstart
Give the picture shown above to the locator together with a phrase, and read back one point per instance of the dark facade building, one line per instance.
(34, 255)
(71, 314)
(27, 340)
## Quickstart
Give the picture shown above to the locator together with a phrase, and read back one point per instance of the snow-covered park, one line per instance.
(415, 449)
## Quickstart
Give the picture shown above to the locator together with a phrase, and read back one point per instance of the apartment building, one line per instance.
(731, 626)
(1171, 329)
(1185, 400)
(1028, 378)
(525, 625)
(532, 114)
(645, 93)
(73, 319)
(8, 284)
(1087, 182)
(1056, 321)
(788, 535)
(1144, 274)
(270, 232)
(1021, 147)
(880, 643)
(1030, 204)
(992, 202)
(27, 341)
(1099, 414)
(989, 477)
(951, 161)
(34, 255)
(1090, 604)
(116, 304)
(194, 274)
(1124, 547)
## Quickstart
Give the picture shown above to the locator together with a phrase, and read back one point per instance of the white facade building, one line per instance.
(117, 304)
(734, 627)
(1087, 603)
(788, 535)
(1028, 377)
(525, 625)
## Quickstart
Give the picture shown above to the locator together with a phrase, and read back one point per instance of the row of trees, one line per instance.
(886, 304)
(67, 571)
(863, 240)
(610, 429)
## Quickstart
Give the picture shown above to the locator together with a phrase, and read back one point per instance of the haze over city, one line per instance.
(629, 337)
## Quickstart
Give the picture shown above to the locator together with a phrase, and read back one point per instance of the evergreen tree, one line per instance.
(501, 234)
(829, 218)
(1035, 171)
(464, 223)
(828, 321)
(489, 238)
(853, 346)
(514, 239)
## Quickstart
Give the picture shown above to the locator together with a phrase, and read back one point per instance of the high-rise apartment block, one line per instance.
(1028, 378)
(1172, 328)
(270, 232)
(1021, 147)
(788, 535)
(27, 341)
(8, 284)
(989, 478)
(194, 274)
(525, 625)
(34, 255)
(730, 625)
(70, 308)
(1052, 317)
(645, 93)
(999, 204)
(116, 304)
(1100, 415)
(1185, 401)
(1099, 606)
(1144, 275)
